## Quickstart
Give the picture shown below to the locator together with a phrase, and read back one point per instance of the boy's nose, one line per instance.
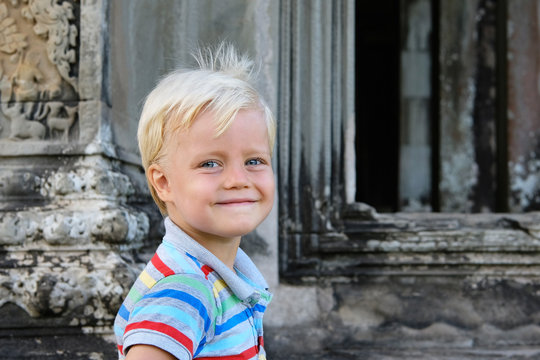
(236, 177)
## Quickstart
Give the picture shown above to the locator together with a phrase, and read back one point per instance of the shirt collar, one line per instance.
(248, 290)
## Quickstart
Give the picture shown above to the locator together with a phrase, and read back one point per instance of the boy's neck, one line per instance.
(224, 249)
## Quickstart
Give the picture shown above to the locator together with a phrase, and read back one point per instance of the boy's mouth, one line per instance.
(234, 202)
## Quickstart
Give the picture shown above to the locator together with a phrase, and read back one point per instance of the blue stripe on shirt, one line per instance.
(118, 331)
(247, 279)
(258, 323)
(229, 342)
(259, 308)
(179, 258)
(200, 347)
(172, 312)
(194, 260)
(233, 321)
(123, 312)
(185, 297)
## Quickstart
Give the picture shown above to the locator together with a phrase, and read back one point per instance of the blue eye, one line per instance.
(254, 162)
(209, 164)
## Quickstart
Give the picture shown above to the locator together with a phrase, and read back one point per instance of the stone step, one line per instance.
(81, 346)
(57, 347)
(524, 353)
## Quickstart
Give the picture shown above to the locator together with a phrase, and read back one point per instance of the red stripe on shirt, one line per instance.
(246, 355)
(160, 266)
(121, 349)
(206, 270)
(164, 329)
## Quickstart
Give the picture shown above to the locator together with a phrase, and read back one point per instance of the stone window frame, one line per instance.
(324, 233)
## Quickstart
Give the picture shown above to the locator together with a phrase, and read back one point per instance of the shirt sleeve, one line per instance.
(176, 315)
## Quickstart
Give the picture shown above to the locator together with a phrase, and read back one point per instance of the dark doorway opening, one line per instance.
(377, 103)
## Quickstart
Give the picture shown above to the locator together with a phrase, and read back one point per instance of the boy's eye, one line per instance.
(209, 164)
(254, 162)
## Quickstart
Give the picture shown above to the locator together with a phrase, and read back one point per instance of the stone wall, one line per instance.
(71, 202)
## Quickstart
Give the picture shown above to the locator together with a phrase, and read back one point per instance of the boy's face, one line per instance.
(219, 187)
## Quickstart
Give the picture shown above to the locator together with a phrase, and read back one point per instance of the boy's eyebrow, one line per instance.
(223, 153)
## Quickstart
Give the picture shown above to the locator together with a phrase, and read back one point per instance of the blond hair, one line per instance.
(222, 84)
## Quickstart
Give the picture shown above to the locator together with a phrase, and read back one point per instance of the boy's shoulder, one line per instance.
(170, 262)
(172, 270)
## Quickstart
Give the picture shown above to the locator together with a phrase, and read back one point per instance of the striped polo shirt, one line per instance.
(190, 304)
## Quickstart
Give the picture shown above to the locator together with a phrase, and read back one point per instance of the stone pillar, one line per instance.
(459, 172)
(523, 105)
(70, 197)
(468, 100)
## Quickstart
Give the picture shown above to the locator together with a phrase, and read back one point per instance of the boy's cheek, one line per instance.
(269, 187)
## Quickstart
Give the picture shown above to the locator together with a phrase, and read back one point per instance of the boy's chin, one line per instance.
(239, 231)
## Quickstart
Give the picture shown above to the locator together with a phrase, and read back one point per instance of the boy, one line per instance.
(206, 140)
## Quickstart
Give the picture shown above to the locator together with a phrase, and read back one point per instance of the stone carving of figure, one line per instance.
(56, 119)
(11, 40)
(26, 79)
(52, 22)
(21, 127)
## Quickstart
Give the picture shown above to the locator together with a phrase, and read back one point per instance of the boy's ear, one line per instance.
(159, 181)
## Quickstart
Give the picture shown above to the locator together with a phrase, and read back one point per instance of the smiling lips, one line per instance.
(236, 202)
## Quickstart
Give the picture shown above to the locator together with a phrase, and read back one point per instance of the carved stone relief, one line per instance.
(38, 74)
(71, 210)
(59, 257)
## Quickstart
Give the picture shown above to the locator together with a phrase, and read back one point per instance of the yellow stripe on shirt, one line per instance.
(218, 286)
(147, 279)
